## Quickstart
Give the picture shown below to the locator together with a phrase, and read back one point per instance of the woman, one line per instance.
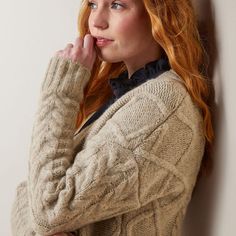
(121, 127)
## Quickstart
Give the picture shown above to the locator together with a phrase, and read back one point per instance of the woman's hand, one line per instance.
(82, 51)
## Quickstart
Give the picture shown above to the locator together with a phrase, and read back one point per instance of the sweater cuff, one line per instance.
(65, 78)
(20, 221)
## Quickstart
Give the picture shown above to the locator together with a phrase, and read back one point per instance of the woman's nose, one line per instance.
(100, 20)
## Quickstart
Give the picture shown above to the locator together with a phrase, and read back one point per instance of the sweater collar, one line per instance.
(121, 84)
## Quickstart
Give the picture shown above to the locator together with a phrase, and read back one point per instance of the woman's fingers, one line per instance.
(68, 48)
(69, 45)
(77, 49)
(82, 51)
(78, 43)
(88, 42)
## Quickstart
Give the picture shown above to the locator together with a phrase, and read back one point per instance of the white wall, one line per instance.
(212, 209)
(31, 31)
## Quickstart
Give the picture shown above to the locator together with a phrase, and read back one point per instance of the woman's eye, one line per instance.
(116, 5)
(91, 5)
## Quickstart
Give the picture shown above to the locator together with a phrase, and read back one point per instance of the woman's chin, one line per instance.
(107, 56)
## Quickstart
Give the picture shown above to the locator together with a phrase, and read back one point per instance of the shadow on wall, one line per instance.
(200, 216)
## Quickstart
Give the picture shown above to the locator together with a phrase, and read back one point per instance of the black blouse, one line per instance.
(122, 84)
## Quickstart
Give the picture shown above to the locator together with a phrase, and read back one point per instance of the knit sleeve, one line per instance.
(111, 174)
(20, 224)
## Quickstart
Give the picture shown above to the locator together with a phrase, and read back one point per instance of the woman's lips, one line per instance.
(101, 42)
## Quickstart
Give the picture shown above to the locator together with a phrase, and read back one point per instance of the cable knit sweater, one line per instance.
(130, 172)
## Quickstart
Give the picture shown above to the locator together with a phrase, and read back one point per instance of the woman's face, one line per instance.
(127, 24)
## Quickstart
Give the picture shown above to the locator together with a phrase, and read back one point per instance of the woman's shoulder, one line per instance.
(167, 81)
(167, 89)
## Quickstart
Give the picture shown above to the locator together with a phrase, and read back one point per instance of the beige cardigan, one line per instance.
(131, 172)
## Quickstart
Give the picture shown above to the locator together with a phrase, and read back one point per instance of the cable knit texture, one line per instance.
(131, 172)
(122, 84)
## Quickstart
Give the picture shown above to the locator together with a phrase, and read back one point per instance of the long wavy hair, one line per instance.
(175, 29)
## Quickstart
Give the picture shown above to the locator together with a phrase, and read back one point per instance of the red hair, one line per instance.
(174, 27)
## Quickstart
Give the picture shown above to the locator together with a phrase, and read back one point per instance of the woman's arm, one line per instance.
(82, 52)
(110, 176)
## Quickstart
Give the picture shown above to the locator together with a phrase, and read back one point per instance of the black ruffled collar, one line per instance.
(121, 84)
